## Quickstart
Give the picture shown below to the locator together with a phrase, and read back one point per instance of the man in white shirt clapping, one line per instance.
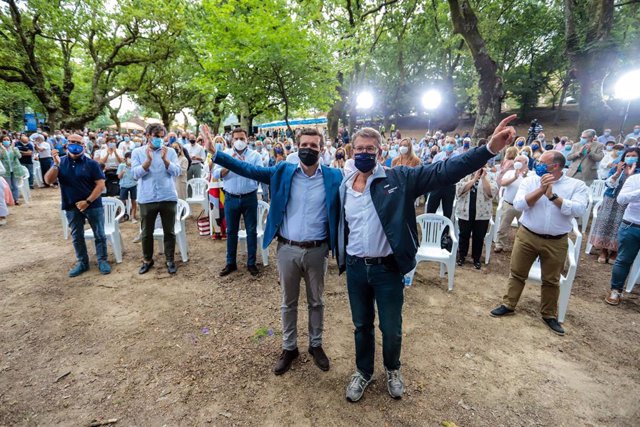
(549, 200)
(511, 182)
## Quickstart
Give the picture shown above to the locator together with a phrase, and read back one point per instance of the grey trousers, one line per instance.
(295, 263)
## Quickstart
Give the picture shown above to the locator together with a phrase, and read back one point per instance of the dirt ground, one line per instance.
(195, 349)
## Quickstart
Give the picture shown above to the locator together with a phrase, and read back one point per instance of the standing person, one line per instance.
(474, 209)
(81, 184)
(635, 134)
(610, 159)
(241, 199)
(4, 211)
(339, 161)
(110, 158)
(181, 180)
(26, 149)
(585, 157)
(304, 218)
(265, 156)
(10, 158)
(606, 137)
(605, 228)
(377, 243)
(197, 155)
(549, 200)
(44, 154)
(155, 166)
(511, 181)
(407, 157)
(628, 235)
(128, 185)
(444, 194)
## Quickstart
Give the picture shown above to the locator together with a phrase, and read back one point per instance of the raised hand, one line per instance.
(206, 137)
(56, 157)
(503, 135)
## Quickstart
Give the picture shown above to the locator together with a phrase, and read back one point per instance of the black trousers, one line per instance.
(148, 214)
(446, 195)
(476, 228)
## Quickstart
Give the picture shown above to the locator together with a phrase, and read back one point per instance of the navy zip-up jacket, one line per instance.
(394, 192)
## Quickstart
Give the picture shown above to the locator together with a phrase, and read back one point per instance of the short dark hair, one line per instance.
(309, 132)
(630, 150)
(127, 155)
(239, 130)
(155, 128)
(559, 159)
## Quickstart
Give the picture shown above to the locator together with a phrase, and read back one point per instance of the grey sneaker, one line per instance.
(356, 387)
(395, 383)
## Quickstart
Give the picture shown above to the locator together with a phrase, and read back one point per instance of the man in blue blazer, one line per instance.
(303, 217)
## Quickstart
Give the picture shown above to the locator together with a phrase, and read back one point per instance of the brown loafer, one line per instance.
(319, 357)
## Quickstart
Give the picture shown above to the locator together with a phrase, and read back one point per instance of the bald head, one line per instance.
(553, 157)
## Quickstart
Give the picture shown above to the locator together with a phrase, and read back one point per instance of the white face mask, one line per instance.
(518, 165)
(404, 150)
(239, 144)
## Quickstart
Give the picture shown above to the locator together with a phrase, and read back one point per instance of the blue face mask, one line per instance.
(465, 145)
(541, 169)
(156, 142)
(76, 149)
(449, 148)
(520, 143)
(631, 160)
(535, 147)
(126, 139)
(567, 148)
(636, 131)
(172, 139)
(6, 143)
(583, 141)
(218, 146)
(364, 162)
(609, 147)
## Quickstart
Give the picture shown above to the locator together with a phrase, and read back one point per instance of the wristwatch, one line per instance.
(553, 197)
(89, 201)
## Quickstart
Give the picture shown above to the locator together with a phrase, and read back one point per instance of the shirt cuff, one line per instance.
(489, 150)
(567, 207)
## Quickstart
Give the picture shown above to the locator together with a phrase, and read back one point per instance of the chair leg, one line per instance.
(563, 301)
(451, 268)
(442, 268)
(182, 244)
(487, 250)
(117, 249)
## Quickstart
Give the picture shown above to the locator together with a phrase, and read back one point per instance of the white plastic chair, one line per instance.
(113, 210)
(584, 220)
(199, 190)
(488, 240)
(594, 215)
(634, 274)
(263, 210)
(498, 220)
(24, 186)
(432, 227)
(37, 174)
(566, 281)
(65, 225)
(597, 190)
(179, 228)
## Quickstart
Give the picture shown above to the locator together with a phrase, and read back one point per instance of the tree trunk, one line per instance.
(465, 23)
(333, 121)
(166, 119)
(593, 110)
(565, 87)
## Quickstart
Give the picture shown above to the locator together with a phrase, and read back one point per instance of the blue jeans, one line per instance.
(29, 167)
(628, 247)
(76, 220)
(248, 208)
(13, 184)
(382, 285)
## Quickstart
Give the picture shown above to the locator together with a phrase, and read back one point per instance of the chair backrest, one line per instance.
(263, 210)
(432, 226)
(114, 209)
(199, 187)
(183, 210)
(578, 243)
(597, 189)
(26, 172)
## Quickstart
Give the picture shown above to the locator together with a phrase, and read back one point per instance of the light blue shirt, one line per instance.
(158, 183)
(306, 216)
(443, 156)
(127, 180)
(234, 183)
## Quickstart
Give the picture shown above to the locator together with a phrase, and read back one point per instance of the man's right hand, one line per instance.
(56, 157)
(208, 141)
(149, 153)
(546, 181)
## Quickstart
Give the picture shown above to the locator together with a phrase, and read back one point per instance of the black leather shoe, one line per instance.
(477, 265)
(501, 311)
(228, 269)
(554, 326)
(146, 266)
(284, 362)
(253, 270)
(319, 356)
(171, 267)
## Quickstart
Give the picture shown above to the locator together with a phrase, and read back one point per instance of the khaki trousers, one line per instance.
(508, 213)
(552, 252)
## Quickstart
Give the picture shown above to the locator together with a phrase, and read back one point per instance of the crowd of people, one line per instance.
(352, 197)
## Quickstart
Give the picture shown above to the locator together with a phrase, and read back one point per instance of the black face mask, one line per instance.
(193, 141)
(308, 156)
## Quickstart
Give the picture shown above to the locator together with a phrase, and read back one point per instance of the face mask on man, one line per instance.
(268, 146)
(172, 140)
(518, 165)
(287, 147)
(308, 156)
(607, 133)
(636, 131)
(126, 139)
(466, 145)
(541, 169)
(156, 142)
(449, 148)
(76, 149)
(583, 141)
(567, 147)
(364, 162)
(192, 141)
(239, 144)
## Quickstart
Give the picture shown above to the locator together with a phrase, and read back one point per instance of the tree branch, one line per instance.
(377, 8)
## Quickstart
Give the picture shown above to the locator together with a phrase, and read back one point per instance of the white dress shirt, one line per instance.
(234, 183)
(196, 150)
(511, 190)
(544, 217)
(630, 196)
(366, 235)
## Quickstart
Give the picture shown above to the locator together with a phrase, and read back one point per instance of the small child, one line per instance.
(128, 186)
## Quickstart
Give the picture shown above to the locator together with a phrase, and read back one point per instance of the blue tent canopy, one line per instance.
(294, 122)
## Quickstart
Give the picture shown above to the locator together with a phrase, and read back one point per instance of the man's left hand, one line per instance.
(163, 153)
(82, 205)
(503, 135)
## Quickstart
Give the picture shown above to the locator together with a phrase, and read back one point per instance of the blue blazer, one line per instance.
(279, 179)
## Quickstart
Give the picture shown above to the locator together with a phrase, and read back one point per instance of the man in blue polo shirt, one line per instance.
(81, 184)
(26, 149)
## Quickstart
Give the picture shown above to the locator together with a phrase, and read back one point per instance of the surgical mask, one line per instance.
(518, 165)
(384, 153)
(430, 144)
(535, 147)
(520, 143)
(404, 150)
(172, 139)
(609, 147)
(112, 145)
(239, 144)
(583, 141)
(268, 146)
(156, 142)
(126, 139)
(567, 147)
(259, 147)
(449, 148)
(631, 160)
(636, 131)
(607, 133)
(396, 147)
(6, 143)
(364, 162)
(541, 169)
(308, 156)
(525, 153)
(76, 149)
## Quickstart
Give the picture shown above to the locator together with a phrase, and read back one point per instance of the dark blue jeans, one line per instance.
(628, 247)
(45, 165)
(382, 285)
(76, 220)
(248, 208)
(13, 184)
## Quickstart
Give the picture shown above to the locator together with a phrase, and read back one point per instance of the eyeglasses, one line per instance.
(371, 149)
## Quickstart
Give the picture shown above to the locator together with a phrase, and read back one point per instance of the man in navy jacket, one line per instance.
(303, 217)
(378, 241)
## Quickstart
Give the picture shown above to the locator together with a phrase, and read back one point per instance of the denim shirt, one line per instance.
(158, 183)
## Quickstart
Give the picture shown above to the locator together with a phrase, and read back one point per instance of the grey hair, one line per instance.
(591, 132)
(368, 133)
(558, 158)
